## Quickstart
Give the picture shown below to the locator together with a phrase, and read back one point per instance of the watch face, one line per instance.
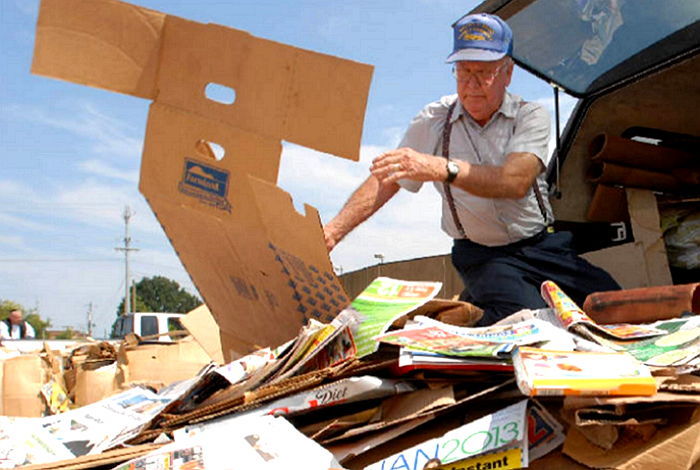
(452, 170)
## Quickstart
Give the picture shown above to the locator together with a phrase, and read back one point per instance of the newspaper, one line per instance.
(524, 332)
(253, 442)
(323, 346)
(23, 442)
(563, 339)
(678, 347)
(504, 431)
(241, 369)
(429, 335)
(420, 360)
(571, 317)
(381, 303)
(88, 430)
(349, 390)
(437, 340)
(545, 433)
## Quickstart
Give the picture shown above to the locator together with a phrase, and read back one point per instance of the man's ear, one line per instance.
(509, 70)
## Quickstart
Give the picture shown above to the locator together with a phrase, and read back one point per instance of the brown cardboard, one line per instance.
(675, 447)
(23, 377)
(255, 260)
(160, 364)
(201, 325)
(92, 384)
(349, 449)
(108, 457)
(404, 407)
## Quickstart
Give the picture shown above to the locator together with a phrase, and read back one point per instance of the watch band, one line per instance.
(452, 171)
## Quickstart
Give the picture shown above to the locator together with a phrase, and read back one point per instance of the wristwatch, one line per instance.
(452, 171)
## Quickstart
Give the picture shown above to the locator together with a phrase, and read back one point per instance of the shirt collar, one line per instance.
(509, 108)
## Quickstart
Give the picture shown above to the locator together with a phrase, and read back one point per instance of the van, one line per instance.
(149, 324)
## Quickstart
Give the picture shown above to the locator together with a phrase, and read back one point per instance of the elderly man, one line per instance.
(485, 150)
(14, 327)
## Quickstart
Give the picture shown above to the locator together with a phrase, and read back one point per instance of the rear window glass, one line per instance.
(585, 45)
(123, 326)
(149, 325)
(174, 324)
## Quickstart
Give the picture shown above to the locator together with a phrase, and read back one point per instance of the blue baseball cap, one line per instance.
(481, 37)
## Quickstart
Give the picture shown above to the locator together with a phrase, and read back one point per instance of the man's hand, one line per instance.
(406, 163)
(330, 236)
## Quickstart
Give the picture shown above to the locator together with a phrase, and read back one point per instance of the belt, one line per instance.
(533, 240)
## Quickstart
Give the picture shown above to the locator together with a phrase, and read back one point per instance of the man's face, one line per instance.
(15, 317)
(481, 86)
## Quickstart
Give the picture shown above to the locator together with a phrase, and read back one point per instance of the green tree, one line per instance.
(160, 294)
(31, 316)
(68, 333)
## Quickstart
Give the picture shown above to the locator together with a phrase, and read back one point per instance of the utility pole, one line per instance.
(127, 249)
(90, 324)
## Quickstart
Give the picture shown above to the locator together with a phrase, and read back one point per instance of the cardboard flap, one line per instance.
(261, 268)
(256, 261)
(281, 91)
(175, 168)
(203, 328)
(101, 43)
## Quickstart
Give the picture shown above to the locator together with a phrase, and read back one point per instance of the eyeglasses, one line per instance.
(483, 77)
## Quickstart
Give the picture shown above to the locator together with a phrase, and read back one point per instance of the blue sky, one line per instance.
(71, 154)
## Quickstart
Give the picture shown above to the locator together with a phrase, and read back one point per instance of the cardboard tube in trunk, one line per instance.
(689, 176)
(645, 304)
(614, 174)
(610, 148)
(609, 204)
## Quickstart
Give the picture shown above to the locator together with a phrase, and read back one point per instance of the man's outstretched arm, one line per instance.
(365, 201)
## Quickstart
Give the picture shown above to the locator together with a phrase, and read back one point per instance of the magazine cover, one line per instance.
(437, 340)
(381, 303)
(679, 346)
(546, 372)
(570, 316)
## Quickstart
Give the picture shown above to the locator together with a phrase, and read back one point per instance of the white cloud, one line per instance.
(12, 241)
(100, 168)
(322, 180)
(109, 136)
(407, 227)
(12, 222)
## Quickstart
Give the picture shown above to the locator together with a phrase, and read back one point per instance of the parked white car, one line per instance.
(149, 324)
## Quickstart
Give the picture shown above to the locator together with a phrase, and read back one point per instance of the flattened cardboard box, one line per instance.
(261, 267)
(23, 377)
(160, 364)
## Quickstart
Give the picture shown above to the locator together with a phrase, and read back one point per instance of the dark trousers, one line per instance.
(504, 279)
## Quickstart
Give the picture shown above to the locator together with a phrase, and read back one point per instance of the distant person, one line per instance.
(485, 150)
(15, 327)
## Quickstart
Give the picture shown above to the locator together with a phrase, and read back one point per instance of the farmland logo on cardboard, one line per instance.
(206, 183)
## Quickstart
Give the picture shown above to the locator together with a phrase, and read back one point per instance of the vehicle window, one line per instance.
(118, 328)
(122, 327)
(174, 324)
(149, 325)
(594, 43)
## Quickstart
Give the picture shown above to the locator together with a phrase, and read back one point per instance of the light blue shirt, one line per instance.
(518, 126)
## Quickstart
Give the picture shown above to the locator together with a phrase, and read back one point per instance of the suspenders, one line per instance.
(446, 133)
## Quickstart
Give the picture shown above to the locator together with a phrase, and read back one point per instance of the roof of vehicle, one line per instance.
(587, 47)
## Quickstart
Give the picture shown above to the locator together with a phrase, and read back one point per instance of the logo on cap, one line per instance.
(476, 32)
